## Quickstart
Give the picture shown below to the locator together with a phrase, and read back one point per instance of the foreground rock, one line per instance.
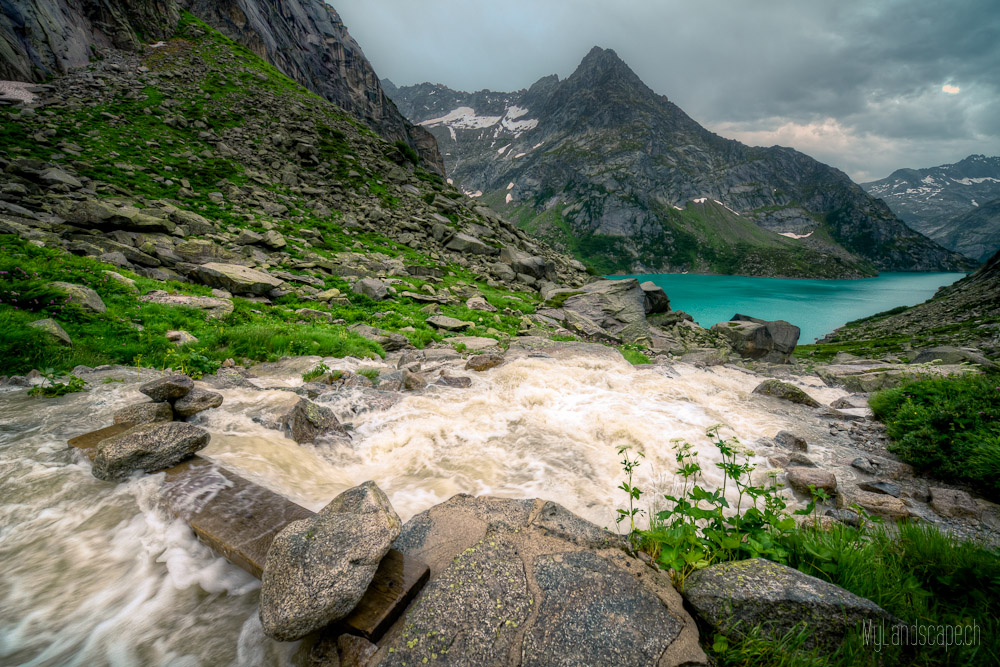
(527, 582)
(613, 310)
(52, 328)
(733, 597)
(318, 569)
(236, 279)
(786, 392)
(147, 447)
(82, 296)
(752, 338)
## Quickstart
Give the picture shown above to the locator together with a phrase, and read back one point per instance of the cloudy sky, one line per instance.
(867, 86)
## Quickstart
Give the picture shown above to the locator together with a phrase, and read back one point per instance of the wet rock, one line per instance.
(484, 362)
(799, 459)
(195, 401)
(82, 296)
(791, 441)
(448, 323)
(168, 388)
(144, 413)
(236, 279)
(864, 465)
(732, 597)
(752, 338)
(229, 378)
(52, 328)
(953, 503)
(848, 403)
(801, 478)
(786, 392)
(413, 381)
(457, 382)
(372, 288)
(306, 421)
(319, 568)
(888, 488)
(147, 447)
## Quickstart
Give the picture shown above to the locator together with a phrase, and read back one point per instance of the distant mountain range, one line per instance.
(957, 205)
(601, 166)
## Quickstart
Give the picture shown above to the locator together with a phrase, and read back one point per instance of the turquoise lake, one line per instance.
(815, 306)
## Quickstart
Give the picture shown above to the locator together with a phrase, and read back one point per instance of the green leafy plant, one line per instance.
(55, 388)
(370, 373)
(319, 371)
(629, 465)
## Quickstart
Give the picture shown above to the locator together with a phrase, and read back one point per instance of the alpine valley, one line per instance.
(609, 171)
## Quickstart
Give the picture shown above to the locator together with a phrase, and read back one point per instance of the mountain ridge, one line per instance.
(954, 204)
(622, 161)
(305, 39)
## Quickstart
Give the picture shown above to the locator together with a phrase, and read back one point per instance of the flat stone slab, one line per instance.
(239, 520)
(473, 343)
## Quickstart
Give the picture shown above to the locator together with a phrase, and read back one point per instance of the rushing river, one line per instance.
(98, 574)
(815, 306)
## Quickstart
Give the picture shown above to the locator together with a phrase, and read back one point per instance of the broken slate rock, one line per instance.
(197, 400)
(147, 447)
(144, 413)
(318, 568)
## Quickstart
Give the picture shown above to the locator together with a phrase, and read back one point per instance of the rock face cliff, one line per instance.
(305, 39)
(606, 168)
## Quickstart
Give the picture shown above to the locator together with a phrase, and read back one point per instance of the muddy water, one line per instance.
(98, 574)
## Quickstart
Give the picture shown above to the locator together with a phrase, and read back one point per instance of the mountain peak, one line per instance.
(602, 66)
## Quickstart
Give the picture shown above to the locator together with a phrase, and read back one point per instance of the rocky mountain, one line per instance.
(305, 39)
(954, 204)
(605, 168)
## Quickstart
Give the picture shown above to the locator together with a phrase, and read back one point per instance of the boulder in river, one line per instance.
(195, 401)
(611, 310)
(147, 447)
(736, 596)
(752, 338)
(144, 413)
(786, 392)
(306, 421)
(168, 388)
(318, 568)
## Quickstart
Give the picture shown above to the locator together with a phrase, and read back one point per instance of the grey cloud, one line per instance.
(874, 66)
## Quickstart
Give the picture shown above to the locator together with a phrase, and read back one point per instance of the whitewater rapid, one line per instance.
(99, 574)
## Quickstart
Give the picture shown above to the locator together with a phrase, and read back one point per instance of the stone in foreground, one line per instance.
(527, 582)
(82, 296)
(483, 362)
(168, 388)
(733, 597)
(197, 400)
(786, 392)
(801, 479)
(147, 447)
(319, 568)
